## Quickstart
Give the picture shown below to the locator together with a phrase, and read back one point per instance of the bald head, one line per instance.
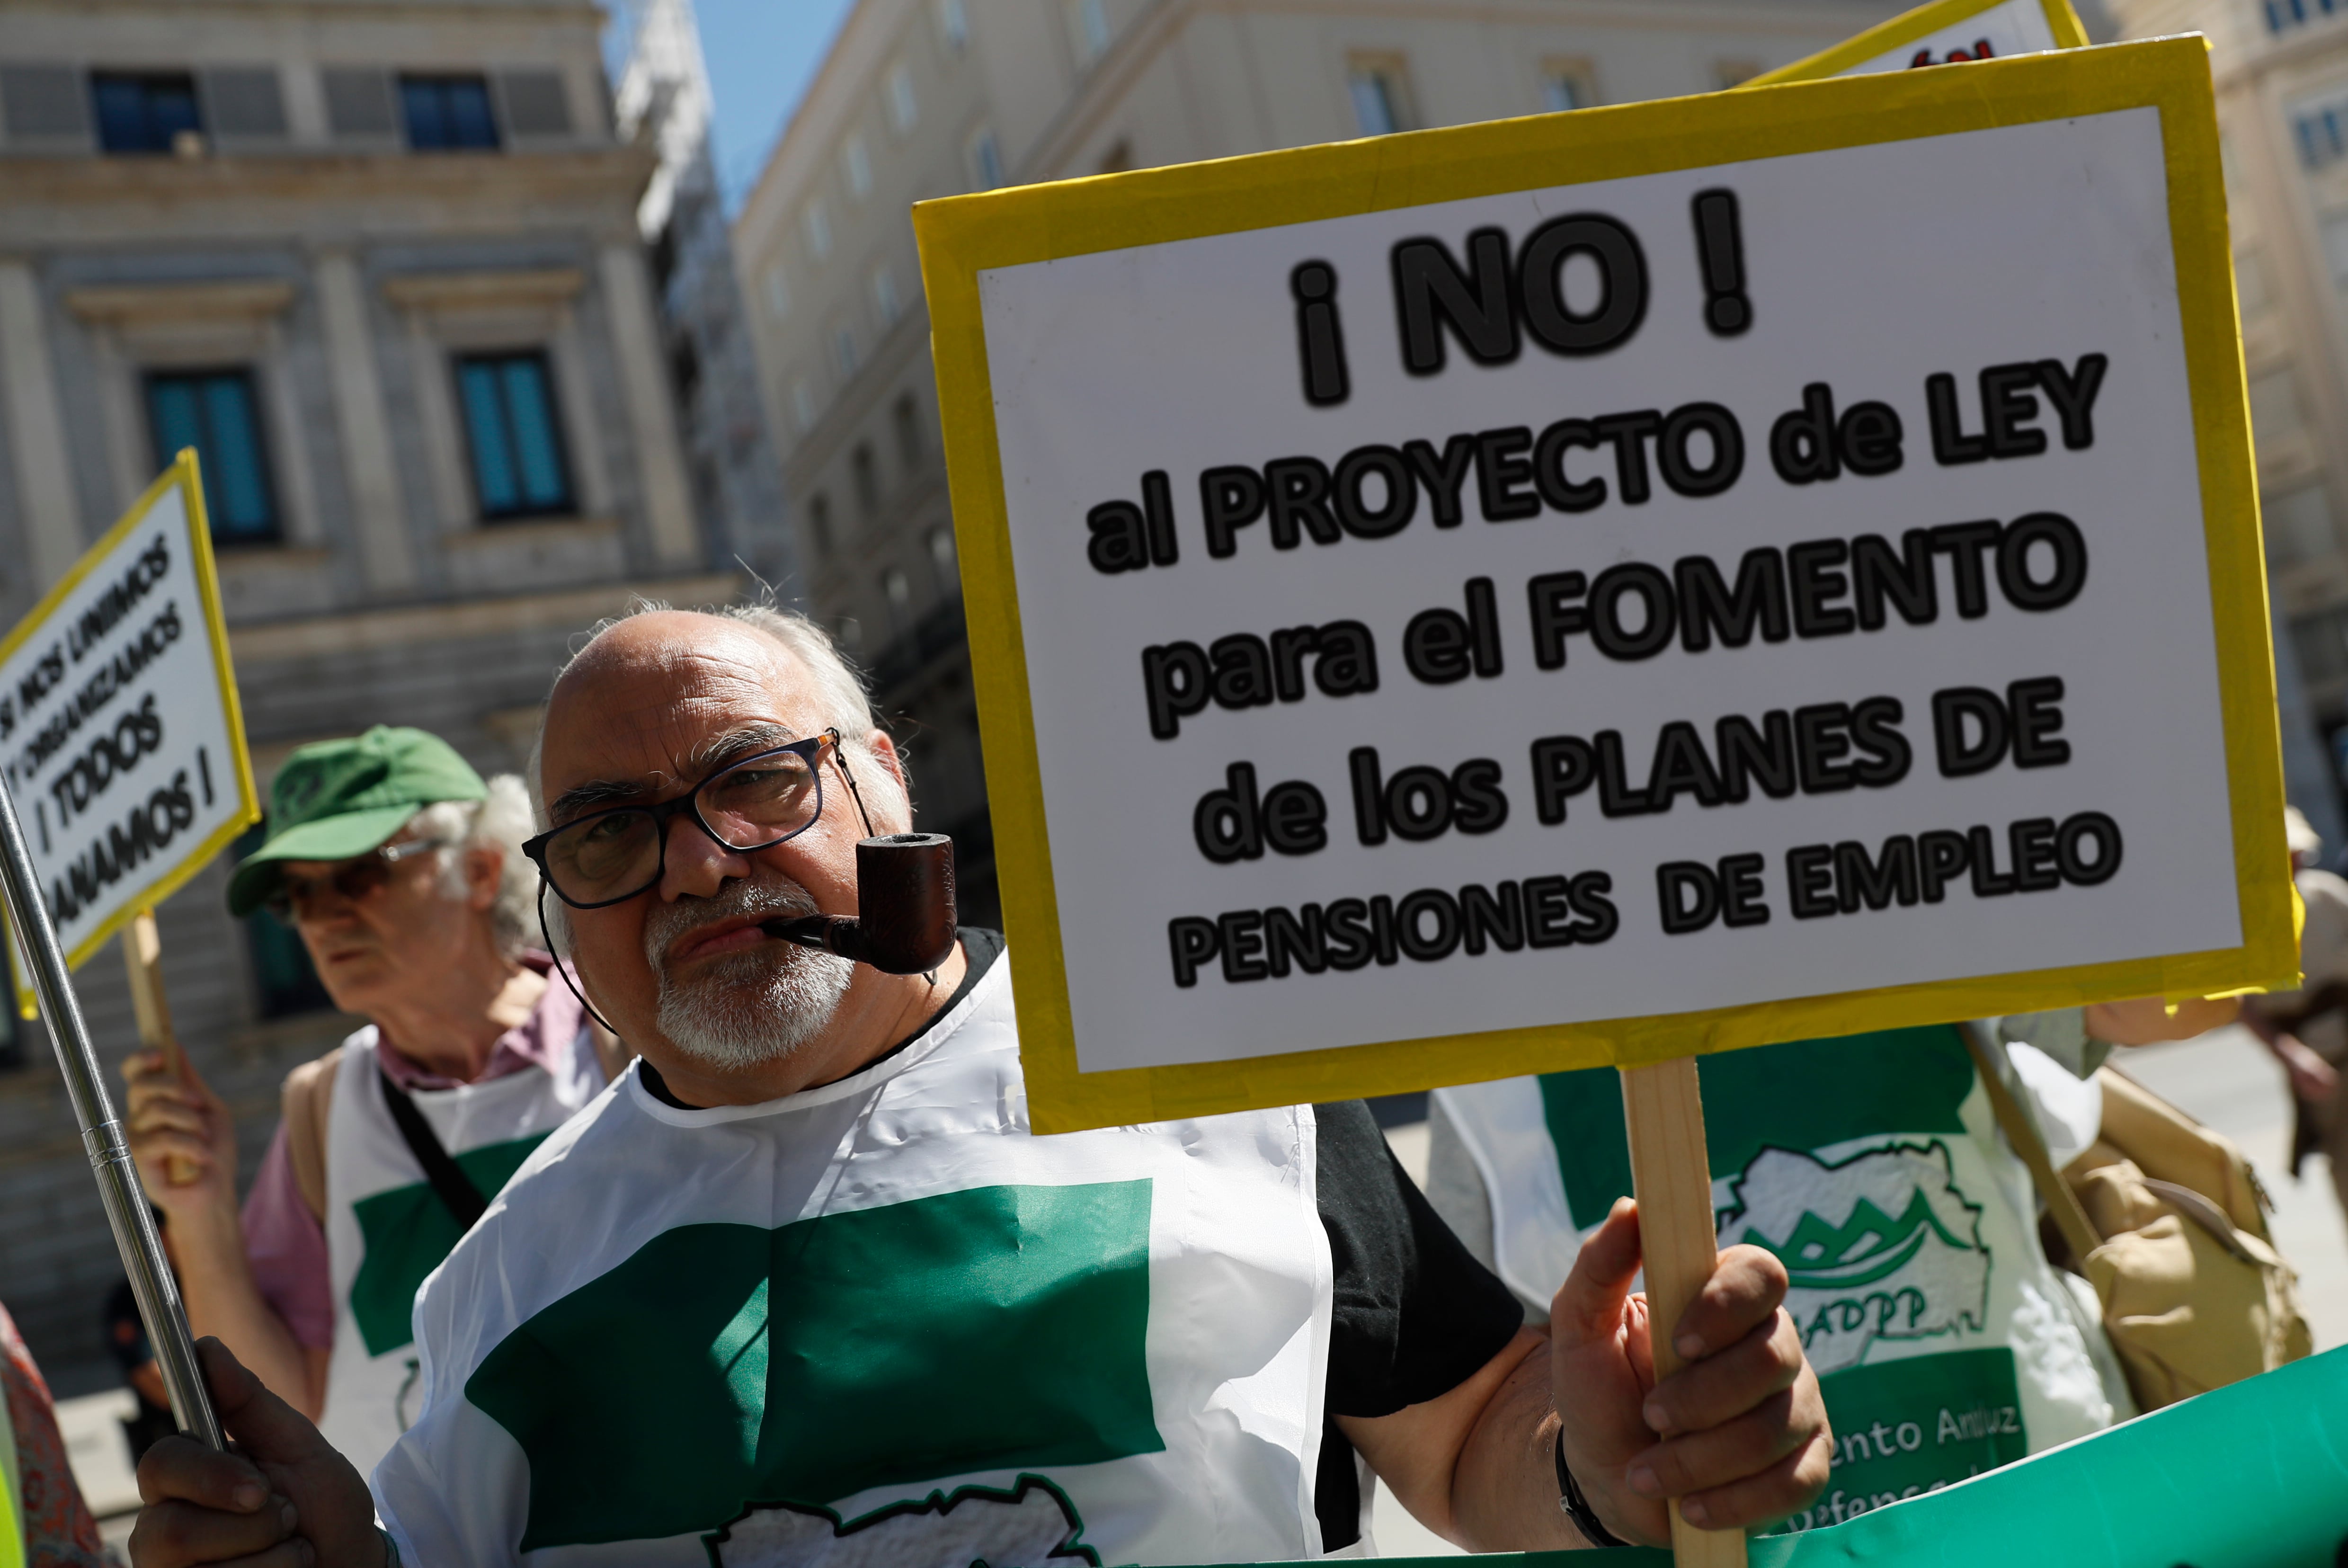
(666, 677)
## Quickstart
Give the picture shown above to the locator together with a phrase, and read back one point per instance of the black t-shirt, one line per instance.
(1413, 1315)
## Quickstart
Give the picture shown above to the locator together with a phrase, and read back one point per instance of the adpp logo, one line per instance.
(1032, 1524)
(1882, 1245)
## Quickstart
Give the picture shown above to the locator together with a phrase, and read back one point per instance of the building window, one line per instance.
(885, 303)
(1381, 99)
(1089, 29)
(804, 407)
(844, 356)
(1565, 84)
(985, 162)
(2299, 527)
(897, 95)
(2287, 13)
(815, 223)
(898, 590)
(2274, 409)
(866, 475)
(779, 293)
(820, 523)
(145, 112)
(447, 114)
(856, 168)
(2322, 134)
(907, 419)
(284, 982)
(214, 411)
(953, 26)
(942, 558)
(509, 422)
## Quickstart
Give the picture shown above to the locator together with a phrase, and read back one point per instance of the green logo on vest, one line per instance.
(1881, 1246)
(990, 1331)
(1030, 1525)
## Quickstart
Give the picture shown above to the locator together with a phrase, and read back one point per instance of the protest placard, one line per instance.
(1591, 589)
(1940, 34)
(119, 732)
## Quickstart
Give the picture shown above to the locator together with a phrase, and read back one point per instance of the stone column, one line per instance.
(37, 431)
(378, 518)
(644, 381)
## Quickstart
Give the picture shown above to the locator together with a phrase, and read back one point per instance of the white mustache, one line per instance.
(664, 923)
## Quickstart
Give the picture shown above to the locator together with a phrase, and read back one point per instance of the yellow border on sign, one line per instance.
(1905, 29)
(962, 236)
(184, 474)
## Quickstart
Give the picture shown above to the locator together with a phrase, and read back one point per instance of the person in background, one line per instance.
(404, 873)
(126, 1341)
(1872, 1167)
(2307, 1029)
(43, 1522)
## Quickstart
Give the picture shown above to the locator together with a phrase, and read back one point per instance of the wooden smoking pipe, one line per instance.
(905, 896)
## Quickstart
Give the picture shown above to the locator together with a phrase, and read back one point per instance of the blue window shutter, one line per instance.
(213, 412)
(533, 428)
(485, 419)
(241, 505)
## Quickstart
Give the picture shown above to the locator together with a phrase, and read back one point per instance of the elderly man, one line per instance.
(804, 1288)
(404, 873)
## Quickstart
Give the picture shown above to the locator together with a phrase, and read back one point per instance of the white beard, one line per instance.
(749, 1008)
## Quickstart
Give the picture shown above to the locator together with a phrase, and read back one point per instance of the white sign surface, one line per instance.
(1767, 594)
(119, 735)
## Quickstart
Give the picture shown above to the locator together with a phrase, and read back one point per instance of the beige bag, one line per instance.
(2168, 1223)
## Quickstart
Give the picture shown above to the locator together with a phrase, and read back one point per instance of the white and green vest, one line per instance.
(386, 1229)
(1870, 1166)
(878, 1322)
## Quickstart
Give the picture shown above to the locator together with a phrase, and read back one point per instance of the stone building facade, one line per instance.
(381, 264)
(920, 98)
(2282, 73)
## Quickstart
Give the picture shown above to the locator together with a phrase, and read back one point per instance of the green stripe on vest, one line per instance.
(407, 1232)
(1806, 1094)
(725, 1365)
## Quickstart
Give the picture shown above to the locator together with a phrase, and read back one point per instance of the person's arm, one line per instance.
(1739, 1435)
(2313, 1079)
(181, 1118)
(2146, 1020)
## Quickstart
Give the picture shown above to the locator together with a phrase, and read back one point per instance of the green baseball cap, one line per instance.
(334, 799)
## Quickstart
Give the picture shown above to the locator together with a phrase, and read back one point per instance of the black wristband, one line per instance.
(1576, 1507)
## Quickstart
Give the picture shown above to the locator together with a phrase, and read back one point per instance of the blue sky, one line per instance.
(762, 54)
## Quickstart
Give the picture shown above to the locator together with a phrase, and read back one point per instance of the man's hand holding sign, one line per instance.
(1533, 595)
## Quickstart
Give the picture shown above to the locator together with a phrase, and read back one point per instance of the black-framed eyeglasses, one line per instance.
(610, 856)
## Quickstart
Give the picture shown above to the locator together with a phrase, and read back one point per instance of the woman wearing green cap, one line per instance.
(402, 871)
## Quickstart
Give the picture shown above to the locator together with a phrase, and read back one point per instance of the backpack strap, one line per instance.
(456, 1190)
(2070, 1217)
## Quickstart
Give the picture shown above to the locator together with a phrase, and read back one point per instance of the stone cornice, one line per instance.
(179, 302)
(485, 290)
(346, 632)
(83, 198)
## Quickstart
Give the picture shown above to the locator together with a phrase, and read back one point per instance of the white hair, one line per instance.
(501, 822)
(845, 699)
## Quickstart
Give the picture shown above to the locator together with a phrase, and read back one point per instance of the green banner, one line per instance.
(2254, 1476)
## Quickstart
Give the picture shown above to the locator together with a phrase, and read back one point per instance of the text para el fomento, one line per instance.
(1483, 303)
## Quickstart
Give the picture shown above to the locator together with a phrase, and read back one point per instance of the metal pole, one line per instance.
(110, 1156)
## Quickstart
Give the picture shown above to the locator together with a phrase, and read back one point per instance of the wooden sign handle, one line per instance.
(142, 958)
(1663, 1109)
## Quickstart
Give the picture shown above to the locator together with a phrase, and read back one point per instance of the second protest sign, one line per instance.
(1601, 587)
